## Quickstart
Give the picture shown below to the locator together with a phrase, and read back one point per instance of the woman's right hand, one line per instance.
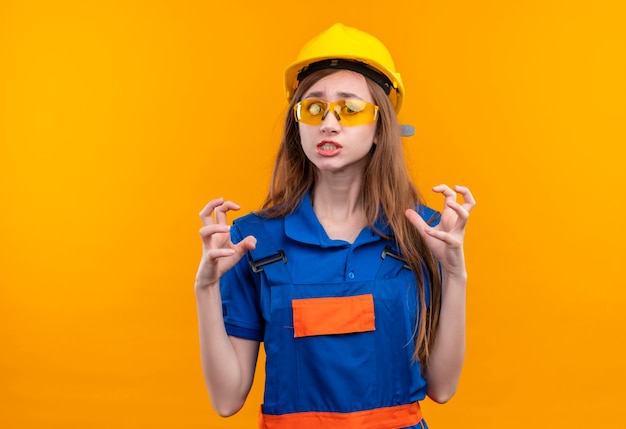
(219, 254)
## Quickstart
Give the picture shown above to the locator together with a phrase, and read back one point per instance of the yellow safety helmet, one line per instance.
(345, 47)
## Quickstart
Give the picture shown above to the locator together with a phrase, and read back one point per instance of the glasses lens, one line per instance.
(349, 112)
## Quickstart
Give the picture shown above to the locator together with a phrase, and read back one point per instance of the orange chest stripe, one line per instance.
(335, 315)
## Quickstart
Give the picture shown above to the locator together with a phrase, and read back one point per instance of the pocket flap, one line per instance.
(335, 315)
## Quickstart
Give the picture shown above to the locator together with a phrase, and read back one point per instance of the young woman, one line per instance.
(355, 288)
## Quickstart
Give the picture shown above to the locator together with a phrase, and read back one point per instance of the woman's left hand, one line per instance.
(446, 239)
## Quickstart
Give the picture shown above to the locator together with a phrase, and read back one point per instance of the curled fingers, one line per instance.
(451, 194)
(215, 211)
(468, 199)
(443, 236)
(222, 209)
(207, 231)
(215, 236)
(462, 210)
(206, 214)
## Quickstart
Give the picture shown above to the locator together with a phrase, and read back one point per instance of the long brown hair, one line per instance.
(387, 191)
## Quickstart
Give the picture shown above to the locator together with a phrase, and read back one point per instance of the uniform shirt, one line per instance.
(313, 258)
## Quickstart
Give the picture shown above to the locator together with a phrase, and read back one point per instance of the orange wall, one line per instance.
(119, 120)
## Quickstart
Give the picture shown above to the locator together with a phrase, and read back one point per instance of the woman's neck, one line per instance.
(339, 209)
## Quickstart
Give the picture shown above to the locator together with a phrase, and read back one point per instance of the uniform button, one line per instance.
(351, 275)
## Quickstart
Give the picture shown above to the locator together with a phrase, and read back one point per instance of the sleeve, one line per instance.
(241, 299)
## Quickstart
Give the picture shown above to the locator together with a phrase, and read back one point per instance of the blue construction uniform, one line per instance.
(291, 299)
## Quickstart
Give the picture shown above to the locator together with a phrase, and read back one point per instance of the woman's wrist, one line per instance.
(454, 277)
(204, 285)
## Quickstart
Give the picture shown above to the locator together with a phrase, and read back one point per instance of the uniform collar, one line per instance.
(303, 225)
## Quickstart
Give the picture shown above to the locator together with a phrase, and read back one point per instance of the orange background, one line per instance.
(119, 120)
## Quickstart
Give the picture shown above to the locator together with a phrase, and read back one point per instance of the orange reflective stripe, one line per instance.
(336, 315)
(400, 416)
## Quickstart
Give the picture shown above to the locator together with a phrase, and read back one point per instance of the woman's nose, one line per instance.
(330, 121)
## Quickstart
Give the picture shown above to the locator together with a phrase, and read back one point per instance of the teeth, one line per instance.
(328, 146)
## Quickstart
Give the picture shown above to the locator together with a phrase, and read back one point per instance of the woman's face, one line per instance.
(332, 146)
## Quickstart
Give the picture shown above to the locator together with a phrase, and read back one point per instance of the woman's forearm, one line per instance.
(446, 358)
(228, 363)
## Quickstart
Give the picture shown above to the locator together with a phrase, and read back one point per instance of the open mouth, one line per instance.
(328, 148)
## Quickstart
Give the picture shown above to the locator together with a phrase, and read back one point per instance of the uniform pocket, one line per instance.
(334, 315)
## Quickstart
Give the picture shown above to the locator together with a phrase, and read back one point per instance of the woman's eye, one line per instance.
(315, 109)
(353, 107)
